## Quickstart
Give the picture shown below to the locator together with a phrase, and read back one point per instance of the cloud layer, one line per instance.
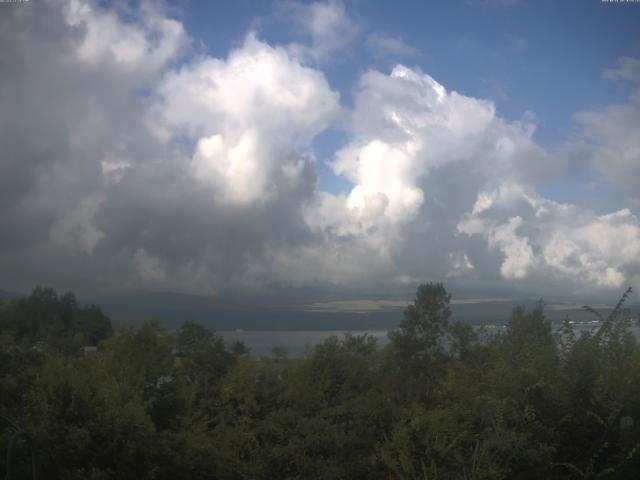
(134, 161)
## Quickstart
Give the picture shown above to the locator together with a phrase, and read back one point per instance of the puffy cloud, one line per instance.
(421, 156)
(257, 85)
(146, 45)
(517, 251)
(70, 114)
(411, 112)
(252, 115)
(407, 127)
(406, 124)
(384, 178)
(459, 264)
(326, 25)
(556, 240)
(416, 158)
(239, 200)
(122, 170)
(131, 162)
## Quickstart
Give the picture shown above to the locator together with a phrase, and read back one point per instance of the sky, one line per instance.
(359, 147)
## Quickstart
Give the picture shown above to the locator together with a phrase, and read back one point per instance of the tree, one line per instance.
(463, 339)
(419, 336)
(59, 321)
(89, 421)
(206, 359)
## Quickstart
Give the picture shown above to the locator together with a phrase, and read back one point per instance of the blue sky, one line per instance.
(544, 58)
(346, 146)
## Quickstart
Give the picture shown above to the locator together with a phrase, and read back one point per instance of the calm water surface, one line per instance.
(294, 343)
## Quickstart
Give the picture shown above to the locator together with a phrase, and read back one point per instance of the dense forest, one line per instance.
(438, 402)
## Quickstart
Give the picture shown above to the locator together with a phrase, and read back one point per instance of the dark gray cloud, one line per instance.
(93, 197)
(129, 162)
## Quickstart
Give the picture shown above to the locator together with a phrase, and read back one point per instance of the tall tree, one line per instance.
(419, 335)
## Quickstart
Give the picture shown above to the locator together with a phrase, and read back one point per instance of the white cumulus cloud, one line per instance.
(253, 115)
(132, 161)
(326, 25)
(539, 236)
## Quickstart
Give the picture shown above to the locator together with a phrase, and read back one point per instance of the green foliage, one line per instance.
(89, 421)
(425, 322)
(436, 403)
(58, 321)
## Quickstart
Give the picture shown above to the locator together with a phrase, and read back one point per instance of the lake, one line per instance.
(296, 342)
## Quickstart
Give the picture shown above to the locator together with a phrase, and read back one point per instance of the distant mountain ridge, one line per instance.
(171, 309)
(302, 312)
